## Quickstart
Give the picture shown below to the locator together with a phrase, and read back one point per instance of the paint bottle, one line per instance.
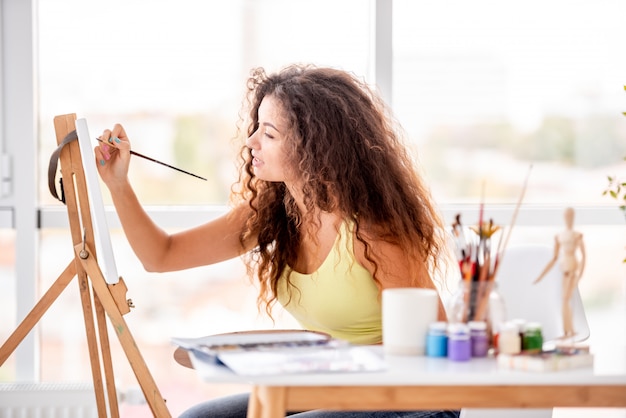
(532, 340)
(459, 346)
(437, 340)
(509, 341)
(519, 325)
(479, 339)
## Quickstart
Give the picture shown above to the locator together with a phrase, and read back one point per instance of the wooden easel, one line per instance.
(101, 298)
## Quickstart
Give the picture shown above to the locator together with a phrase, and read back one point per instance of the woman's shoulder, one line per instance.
(371, 232)
(377, 238)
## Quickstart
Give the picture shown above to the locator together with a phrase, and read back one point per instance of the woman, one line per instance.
(328, 210)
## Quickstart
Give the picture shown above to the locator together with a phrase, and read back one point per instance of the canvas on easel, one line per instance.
(102, 291)
(104, 249)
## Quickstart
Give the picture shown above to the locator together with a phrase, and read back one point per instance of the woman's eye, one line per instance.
(270, 136)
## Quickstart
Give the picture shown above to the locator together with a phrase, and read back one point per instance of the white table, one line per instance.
(416, 382)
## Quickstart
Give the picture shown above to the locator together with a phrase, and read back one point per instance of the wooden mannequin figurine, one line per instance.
(566, 245)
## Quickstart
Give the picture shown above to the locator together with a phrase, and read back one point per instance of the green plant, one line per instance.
(617, 190)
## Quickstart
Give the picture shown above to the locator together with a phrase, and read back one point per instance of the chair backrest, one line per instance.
(541, 302)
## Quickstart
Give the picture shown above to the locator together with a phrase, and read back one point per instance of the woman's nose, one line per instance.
(252, 142)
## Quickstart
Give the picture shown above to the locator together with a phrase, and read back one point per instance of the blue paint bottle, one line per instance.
(437, 340)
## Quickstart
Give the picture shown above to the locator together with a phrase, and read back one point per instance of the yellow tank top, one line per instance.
(340, 298)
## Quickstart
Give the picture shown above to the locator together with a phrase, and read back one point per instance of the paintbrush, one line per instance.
(500, 252)
(157, 161)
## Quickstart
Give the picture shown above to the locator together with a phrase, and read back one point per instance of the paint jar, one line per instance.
(437, 340)
(532, 339)
(479, 340)
(509, 341)
(459, 345)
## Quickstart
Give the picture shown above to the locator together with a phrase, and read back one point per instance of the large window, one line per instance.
(487, 88)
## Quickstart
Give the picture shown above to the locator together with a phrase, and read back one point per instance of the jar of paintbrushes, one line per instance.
(476, 297)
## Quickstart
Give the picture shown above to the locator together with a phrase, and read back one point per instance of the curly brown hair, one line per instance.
(349, 156)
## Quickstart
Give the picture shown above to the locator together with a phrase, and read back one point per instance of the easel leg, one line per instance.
(106, 358)
(92, 342)
(37, 312)
(137, 363)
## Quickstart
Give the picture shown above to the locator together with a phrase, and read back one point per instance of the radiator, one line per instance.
(47, 400)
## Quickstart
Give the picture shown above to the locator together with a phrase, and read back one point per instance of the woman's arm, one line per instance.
(210, 243)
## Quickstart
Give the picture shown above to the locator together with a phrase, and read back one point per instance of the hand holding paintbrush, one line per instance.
(120, 143)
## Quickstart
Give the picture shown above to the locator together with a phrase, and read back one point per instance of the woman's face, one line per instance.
(268, 143)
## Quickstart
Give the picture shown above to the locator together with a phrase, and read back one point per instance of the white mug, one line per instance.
(406, 314)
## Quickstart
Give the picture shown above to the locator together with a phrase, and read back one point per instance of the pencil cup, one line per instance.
(406, 316)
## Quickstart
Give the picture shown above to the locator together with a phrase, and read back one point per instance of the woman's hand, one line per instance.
(113, 156)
